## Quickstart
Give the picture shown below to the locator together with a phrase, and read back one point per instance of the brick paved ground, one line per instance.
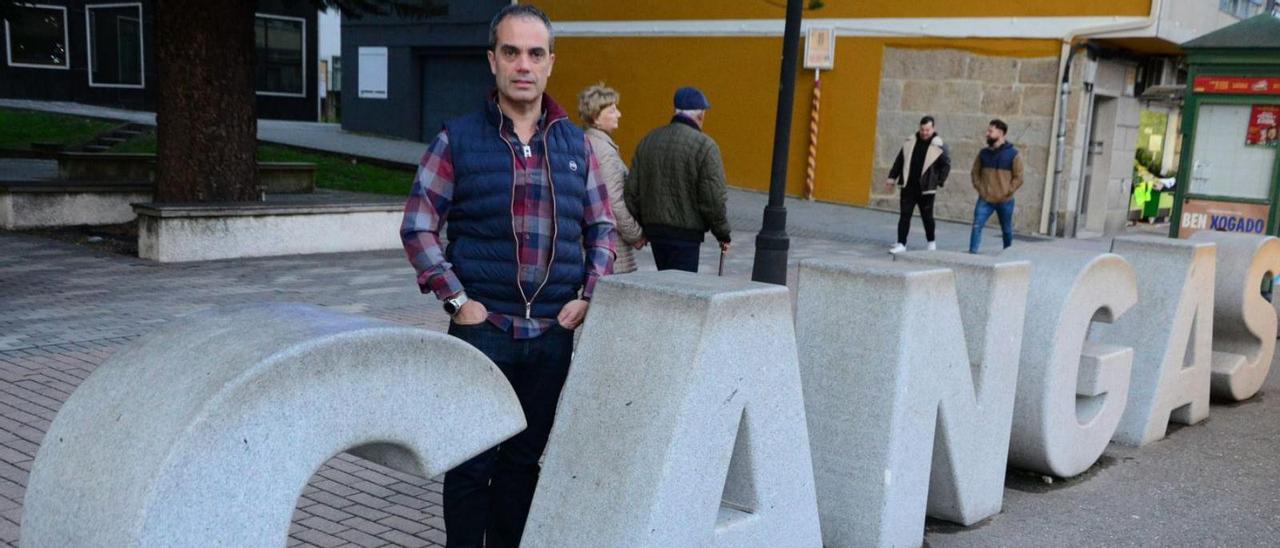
(64, 309)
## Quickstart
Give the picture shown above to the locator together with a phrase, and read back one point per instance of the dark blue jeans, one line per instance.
(981, 212)
(486, 499)
(675, 254)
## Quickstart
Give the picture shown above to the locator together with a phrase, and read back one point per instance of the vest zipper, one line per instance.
(555, 214)
(555, 227)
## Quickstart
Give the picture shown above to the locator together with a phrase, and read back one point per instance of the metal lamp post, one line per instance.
(772, 243)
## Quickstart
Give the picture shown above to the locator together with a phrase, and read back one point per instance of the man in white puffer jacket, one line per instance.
(920, 170)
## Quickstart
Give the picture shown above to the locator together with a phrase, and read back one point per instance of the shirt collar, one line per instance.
(682, 119)
(551, 111)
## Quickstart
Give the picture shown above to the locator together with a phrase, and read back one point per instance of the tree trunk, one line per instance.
(206, 114)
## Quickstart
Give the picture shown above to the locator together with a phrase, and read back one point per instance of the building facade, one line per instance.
(964, 62)
(404, 78)
(102, 53)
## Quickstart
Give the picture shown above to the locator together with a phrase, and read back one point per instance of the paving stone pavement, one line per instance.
(64, 309)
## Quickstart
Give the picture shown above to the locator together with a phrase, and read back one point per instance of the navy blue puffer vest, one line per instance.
(482, 241)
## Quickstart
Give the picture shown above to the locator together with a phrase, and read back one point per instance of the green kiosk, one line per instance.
(1229, 173)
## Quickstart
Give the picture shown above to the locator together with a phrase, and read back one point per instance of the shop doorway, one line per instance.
(1155, 166)
(1098, 190)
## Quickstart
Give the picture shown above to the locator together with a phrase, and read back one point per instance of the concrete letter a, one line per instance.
(681, 423)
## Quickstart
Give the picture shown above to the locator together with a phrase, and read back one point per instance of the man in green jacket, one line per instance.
(676, 187)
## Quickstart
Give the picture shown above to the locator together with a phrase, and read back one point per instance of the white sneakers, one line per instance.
(899, 248)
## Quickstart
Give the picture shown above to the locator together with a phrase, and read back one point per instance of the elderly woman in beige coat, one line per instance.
(598, 107)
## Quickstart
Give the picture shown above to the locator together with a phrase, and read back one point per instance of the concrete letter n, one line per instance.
(908, 390)
(1244, 323)
(1071, 391)
(681, 423)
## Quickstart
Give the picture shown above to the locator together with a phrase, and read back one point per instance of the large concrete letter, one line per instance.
(1244, 323)
(1071, 391)
(975, 404)
(681, 422)
(891, 392)
(1171, 332)
(206, 432)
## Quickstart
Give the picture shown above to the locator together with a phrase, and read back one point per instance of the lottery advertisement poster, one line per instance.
(1264, 127)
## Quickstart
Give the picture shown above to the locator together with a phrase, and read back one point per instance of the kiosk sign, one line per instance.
(1237, 85)
(1200, 215)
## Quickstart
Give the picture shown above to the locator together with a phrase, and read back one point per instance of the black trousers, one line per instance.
(486, 499)
(675, 254)
(912, 198)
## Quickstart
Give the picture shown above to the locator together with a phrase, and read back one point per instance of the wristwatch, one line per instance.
(453, 304)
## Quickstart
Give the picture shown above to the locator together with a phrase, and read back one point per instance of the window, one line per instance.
(1222, 163)
(335, 80)
(38, 37)
(281, 43)
(1243, 9)
(114, 34)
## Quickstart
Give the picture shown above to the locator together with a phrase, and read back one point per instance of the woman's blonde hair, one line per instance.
(595, 99)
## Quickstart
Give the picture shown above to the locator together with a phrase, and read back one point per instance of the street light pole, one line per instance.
(772, 242)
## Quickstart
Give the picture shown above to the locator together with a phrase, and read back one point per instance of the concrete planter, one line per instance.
(44, 204)
(274, 177)
(106, 166)
(182, 233)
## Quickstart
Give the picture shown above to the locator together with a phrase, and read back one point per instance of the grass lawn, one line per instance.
(20, 128)
(340, 173)
(142, 144)
(332, 171)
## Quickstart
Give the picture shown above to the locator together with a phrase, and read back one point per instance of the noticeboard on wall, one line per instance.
(372, 73)
(820, 49)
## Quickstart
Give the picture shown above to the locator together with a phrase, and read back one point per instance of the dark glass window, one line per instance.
(280, 55)
(1243, 9)
(115, 45)
(38, 37)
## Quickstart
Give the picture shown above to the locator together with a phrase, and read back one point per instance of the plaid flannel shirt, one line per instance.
(533, 216)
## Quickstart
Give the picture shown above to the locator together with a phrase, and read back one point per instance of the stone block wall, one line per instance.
(964, 91)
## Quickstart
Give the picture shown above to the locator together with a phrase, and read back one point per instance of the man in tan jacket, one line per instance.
(997, 175)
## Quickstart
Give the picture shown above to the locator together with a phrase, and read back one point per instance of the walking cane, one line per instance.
(721, 271)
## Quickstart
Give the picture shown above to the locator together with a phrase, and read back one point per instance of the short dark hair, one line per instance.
(927, 120)
(520, 10)
(1000, 125)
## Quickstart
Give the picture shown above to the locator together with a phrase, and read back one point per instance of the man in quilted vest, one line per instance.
(530, 231)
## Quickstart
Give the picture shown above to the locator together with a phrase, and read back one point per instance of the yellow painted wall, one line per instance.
(614, 10)
(739, 76)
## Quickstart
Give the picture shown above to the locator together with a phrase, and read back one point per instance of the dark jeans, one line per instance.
(981, 212)
(912, 197)
(675, 254)
(486, 499)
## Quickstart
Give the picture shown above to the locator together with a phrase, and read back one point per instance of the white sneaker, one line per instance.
(933, 246)
(897, 248)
